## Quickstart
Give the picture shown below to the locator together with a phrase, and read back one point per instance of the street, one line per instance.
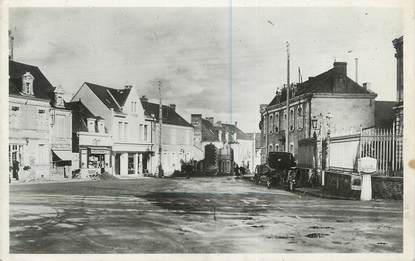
(197, 215)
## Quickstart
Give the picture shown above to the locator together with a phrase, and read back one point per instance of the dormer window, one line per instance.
(91, 124)
(28, 83)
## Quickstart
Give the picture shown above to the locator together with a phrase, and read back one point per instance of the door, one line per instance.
(117, 163)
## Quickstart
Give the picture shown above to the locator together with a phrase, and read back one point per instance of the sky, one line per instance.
(219, 62)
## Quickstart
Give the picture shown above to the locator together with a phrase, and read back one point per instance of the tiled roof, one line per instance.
(42, 88)
(110, 96)
(79, 115)
(323, 83)
(384, 114)
(170, 116)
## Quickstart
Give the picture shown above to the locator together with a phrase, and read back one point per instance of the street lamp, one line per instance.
(317, 122)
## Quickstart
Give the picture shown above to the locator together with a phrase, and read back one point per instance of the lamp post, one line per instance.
(317, 124)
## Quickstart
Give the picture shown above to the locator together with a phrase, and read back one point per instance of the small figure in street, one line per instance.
(16, 169)
(236, 169)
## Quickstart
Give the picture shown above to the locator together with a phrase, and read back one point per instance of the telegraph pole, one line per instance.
(288, 99)
(160, 125)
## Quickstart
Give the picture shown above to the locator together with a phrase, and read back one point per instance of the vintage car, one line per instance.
(280, 169)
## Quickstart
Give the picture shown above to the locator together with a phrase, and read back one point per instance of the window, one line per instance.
(277, 147)
(43, 154)
(277, 122)
(270, 147)
(300, 117)
(270, 123)
(28, 83)
(133, 106)
(140, 132)
(14, 117)
(145, 132)
(125, 130)
(120, 131)
(291, 119)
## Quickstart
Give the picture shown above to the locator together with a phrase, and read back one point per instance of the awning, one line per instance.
(63, 155)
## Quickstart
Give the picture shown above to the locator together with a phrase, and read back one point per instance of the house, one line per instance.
(125, 121)
(384, 114)
(228, 139)
(176, 136)
(90, 140)
(39, 124)
(398, 108)
(328, 104)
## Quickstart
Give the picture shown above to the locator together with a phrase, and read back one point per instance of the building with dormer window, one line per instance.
(36, 127)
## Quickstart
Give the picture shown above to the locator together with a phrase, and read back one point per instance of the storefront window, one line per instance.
(131, 163)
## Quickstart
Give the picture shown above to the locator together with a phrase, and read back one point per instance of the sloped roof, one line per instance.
(231, 128)
(110, 96)
(170, 116)
(384, 114)
(209, 131)
(42, 88)
(80, 113)
(323, 83)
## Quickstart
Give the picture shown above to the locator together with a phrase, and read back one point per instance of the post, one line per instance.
(288, 99)
(160, 173)
(356, 61)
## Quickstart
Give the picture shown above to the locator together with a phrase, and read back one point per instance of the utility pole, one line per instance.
(288, 99)
(160, 126)
(356, 62)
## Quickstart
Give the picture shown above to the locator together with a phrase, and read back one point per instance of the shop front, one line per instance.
(94, 153)
(129, 159)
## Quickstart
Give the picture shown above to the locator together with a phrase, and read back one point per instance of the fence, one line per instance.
(385, 145)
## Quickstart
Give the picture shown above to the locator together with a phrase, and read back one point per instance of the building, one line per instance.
(332, 101)
(398, 108)
(90, 140)
(384, 114)
(227, 138)
(124, 119)
(39, 124)
(256, 136)
(177, 137)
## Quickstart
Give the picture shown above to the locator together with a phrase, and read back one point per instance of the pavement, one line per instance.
(197, 215)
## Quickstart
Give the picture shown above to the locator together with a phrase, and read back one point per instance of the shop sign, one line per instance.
(94, 151)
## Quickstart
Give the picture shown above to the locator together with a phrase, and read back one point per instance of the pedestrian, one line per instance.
(236, 170)
(16, 169)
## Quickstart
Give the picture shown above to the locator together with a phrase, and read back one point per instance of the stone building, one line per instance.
(124, 119)
(398, 108)
(177, 137)
(39, 124)
(91, 140)
(224, 136)
(335, 103)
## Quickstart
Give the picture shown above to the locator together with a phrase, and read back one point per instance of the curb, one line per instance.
(321, 194)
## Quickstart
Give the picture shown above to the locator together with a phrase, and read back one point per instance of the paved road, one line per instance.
(200, 215)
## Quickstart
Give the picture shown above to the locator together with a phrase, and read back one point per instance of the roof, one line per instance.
(209, 131)
(112, 98)
(42, 88)
(79, 115)
(170, 116)
(231, 128)
(324, 83)
(384, 114)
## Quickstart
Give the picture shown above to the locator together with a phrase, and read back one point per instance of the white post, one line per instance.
(140, 162)
(366, 192)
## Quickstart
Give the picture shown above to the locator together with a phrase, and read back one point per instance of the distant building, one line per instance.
(177, 137)
(256, 136)
(224, 136)
(384, 114)
(398, 45)
(337, 104)
(39, 124)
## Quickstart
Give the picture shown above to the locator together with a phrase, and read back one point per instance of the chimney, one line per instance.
(236, 124)
(128, 87)
(173, 107)
(211, 120)
(219, 123)
(144, 98)
(366, 85)
(340, 67)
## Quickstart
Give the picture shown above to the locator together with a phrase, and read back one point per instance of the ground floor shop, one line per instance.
(95, 160)
(132, 163)
(63, 162)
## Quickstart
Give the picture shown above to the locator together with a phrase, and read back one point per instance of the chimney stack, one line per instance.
(366, 85)
(144, 98)
(173, 107)
(128, 87)
(236, 124)
(341, 67)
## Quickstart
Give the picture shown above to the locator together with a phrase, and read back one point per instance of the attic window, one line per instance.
(15, 108)
(27, 87)
(41, 111)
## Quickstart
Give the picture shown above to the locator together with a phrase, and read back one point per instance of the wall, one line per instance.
(387, 187)
(340, 184)
(61, 130)
(348, 114)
